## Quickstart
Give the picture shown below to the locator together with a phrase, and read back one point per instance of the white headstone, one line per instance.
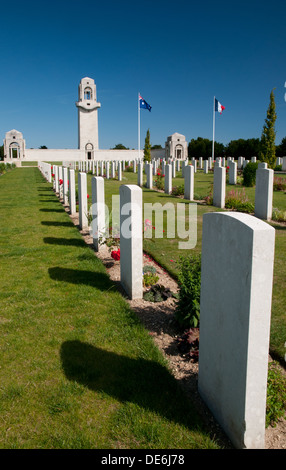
(235, 311)
(61, 182)
(264, 192)
(131, 244)
(82, 200)
(72, 198)
(174, 168)
(219, 186)
(194, 163)
(240, 163)
(206, 166)
(65, 185)
(56, 172)
(232, 172)
(112, 169)
(168, 179)
(149, 175)
(107, 168)
(119, 171)
(140, 174)
(98, 211)
(189, 183)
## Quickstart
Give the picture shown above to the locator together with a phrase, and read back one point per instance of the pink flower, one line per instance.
(148, 223)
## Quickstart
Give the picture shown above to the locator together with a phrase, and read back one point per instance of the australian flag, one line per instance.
(144, 104)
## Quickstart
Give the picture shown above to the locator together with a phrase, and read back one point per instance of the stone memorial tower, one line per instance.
(87, 117)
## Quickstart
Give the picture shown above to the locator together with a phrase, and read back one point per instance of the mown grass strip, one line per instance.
(77, 370)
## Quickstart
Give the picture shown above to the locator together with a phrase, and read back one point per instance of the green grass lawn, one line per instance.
(167, 253)
(78, 370)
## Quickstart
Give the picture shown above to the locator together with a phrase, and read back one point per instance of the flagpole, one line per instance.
(138, 126)
(213, 130)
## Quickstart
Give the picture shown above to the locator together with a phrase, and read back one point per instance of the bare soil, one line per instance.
(158, 319)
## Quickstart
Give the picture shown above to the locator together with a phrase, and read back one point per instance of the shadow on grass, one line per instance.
(278, 227)
(52, 210)
(140, 381)
(77, 276)
(65, 241)
(57, 224)
(54, 201)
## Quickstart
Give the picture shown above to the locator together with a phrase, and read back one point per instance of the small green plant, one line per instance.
(159, 181)
(249, 174)
(238, 200)
(149, 279)
(278, 215)
(278, 168)
(158, 293)
(199, 197)
(276, 395)
(209, 198)
(188, 344)
(129, 168)
(187, 311)
(4, 167)
(149, 269)
(279, 183)
(178, 190)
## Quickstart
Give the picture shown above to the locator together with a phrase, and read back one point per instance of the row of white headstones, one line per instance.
(235, 305)
(264, 177)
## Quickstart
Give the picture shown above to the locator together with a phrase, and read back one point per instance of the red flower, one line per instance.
(116, 254)
(53, 175)
(61, 181)
(87, 196)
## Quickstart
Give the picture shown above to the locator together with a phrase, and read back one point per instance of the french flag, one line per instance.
(218, 106)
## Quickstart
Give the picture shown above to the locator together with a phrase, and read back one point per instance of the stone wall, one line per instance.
(59, 155)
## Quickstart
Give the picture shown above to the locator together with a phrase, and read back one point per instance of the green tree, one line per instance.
(243, 147)
(201, 147)
(43, 147)
(120, 147)
(2, 152)
(267, 143)
(147, 147)
(281, 149)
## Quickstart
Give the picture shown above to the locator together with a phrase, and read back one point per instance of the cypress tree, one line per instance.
(147, 148)
(267, 142)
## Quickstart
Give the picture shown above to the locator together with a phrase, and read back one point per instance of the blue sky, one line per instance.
(178, 55)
